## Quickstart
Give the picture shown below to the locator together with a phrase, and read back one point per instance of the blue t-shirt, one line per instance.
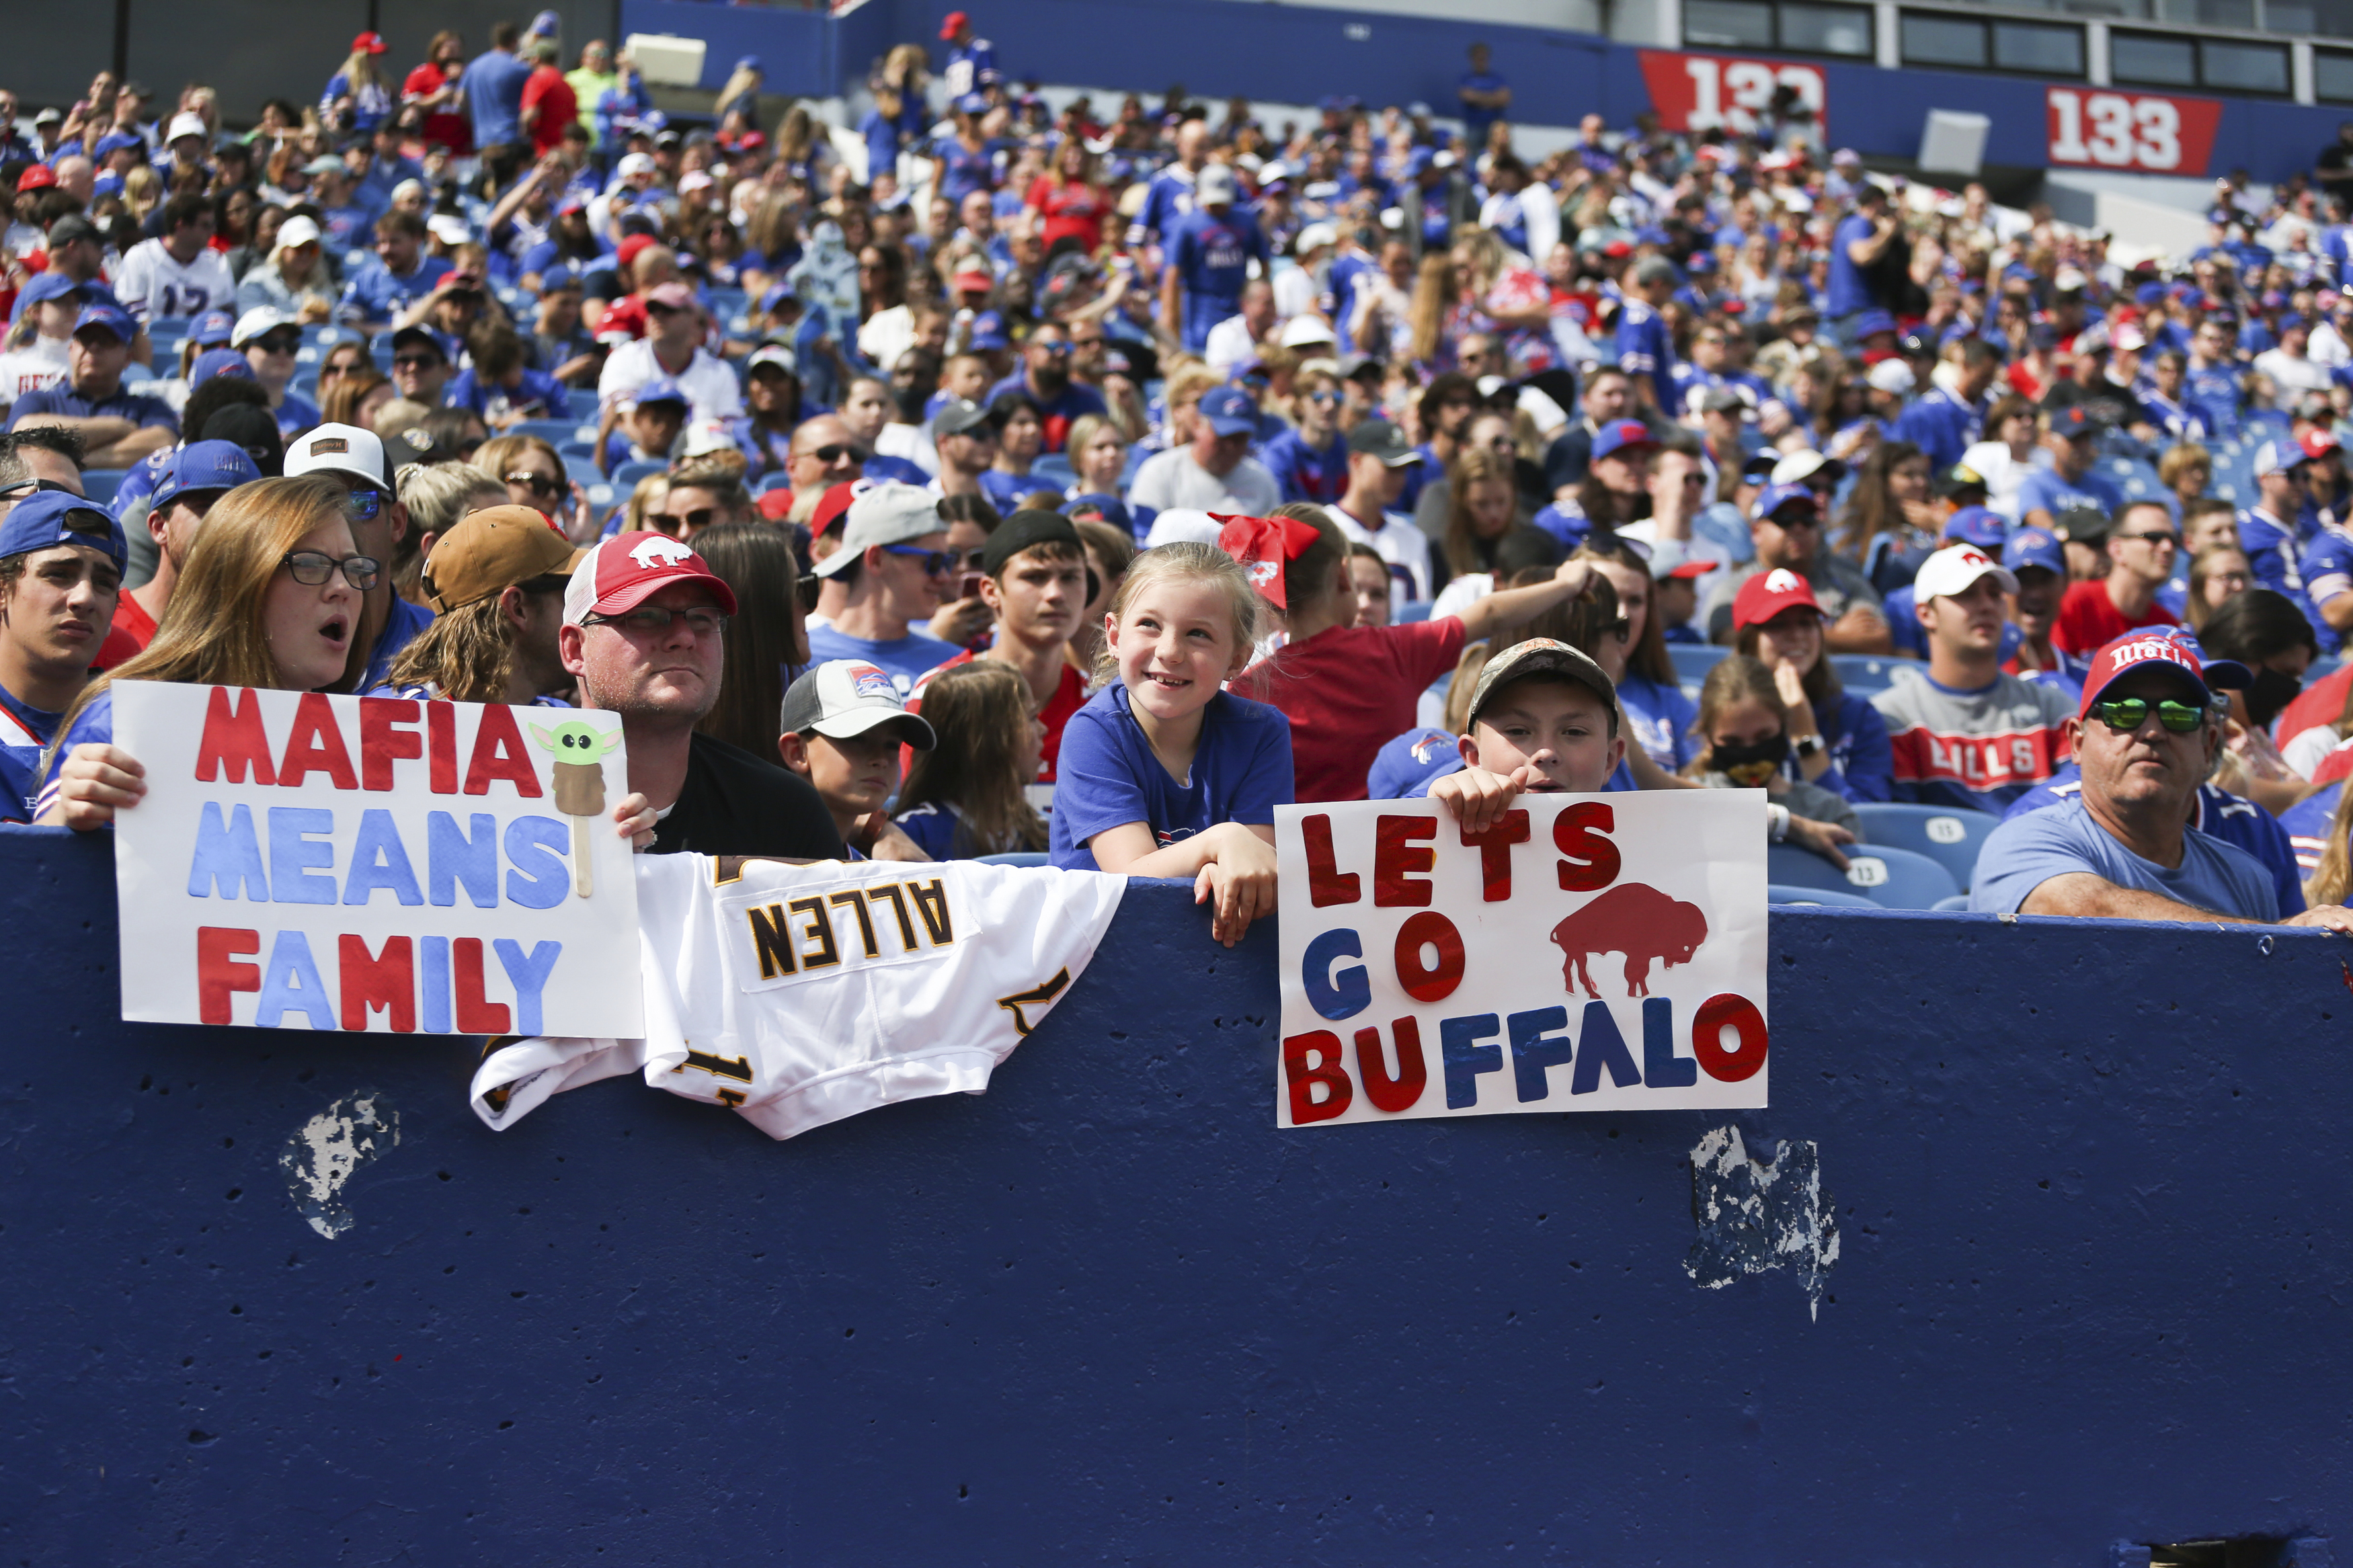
(2027, 851)
(2214, 391)
(1106, 775)
(1055, 415)
(2049, 490)
(407, 620)
(932, 828)
(2308, 823)
(25, 730)
(1005, 491)
(494, 85)
(2327, 572)
(2240, 823)
(1662, 717)
(295, 415)
(1167, 201)
(1211, 256)
(538, 396)
(1940, 424)
(1304, 473)
(963, 169)
(1848, 291)
(1645, 349)
(904, 660)
(143, 411)
(1863, 759)
(377, 293)
(1476, 119)
(93, 725)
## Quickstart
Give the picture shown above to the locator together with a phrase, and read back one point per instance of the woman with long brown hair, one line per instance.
(967, 796)
(1481, 512)
(1070, 200)
(763, 648)
(1888, 523)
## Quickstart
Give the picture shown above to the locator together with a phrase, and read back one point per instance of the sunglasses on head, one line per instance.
(2125, 715)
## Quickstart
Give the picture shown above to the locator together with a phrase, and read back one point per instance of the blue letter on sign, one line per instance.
(291, 855)
(1661, 1066)
(1458, 1043)
(379, 860)
(290, 983)
(1535, 1048)
(227, 856)
(1345, 994)
(1598, 1043)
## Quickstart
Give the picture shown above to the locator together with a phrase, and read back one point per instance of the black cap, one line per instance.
(1026, 530)
(1960, 479)
(959, 418)
(70, 227)
(420, 335)
(252, 428)
(2082, 525)
(1383, 440)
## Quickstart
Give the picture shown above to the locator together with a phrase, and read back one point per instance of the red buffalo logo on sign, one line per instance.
(1640, 921)
(1699, 92)
(2151, 133)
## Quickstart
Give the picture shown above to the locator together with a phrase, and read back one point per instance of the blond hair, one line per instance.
(436, 495)
(1186, 562)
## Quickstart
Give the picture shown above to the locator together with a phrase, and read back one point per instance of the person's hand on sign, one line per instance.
(94, 782)
(1478, 798)
(636, 820)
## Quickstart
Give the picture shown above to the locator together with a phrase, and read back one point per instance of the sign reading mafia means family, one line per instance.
(375, 863)
(1587, 953)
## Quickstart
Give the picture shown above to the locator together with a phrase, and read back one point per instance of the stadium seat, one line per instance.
(1019, 858)
(99, 484)
(1693, 660)
(1413, 610)
(1950, 838)
(577, 458)
(583, 405)
(1890, 878)
(554, 432)
(1779, 893)
(1054, 466)
(1864, 673)
(1958, 904)
(778, 480)
(625, 477)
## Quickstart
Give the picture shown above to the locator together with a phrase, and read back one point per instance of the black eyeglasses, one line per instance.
(538, 484)
(2170, 539)
(414, 362)
(936, 563)
(279, 343)
(311, 568)
(703, 620)
(700, 518)
(834, 451)
(2125, 715)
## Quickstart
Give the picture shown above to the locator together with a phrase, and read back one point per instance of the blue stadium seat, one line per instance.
(625, 477)
(778, 480)
(1864, 673)
(1413, 610)
(1019, 858)
(99, 484)
(1951, 838)
(554, 432)
(1693, 660)
(579, 458)
(1054, 466)
(1779, 893)
(583, 400)
(1890, 878)
(1958, 904)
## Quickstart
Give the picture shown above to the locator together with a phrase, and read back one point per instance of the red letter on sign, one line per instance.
(217, 976)
(1325, 883)
(1591, 860)
(1396, 858)
(367, 984)
(1338, 1090)
(1437, 983)
(1740, 1015)
(476, 1015)
(234, 739)
(316, 746)
(383, 741)
(1403, 1091)
(499, 754)
(1495, 848)
(441, 733)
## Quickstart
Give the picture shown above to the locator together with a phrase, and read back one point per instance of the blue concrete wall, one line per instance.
(1299, 54)
(2094, 1286)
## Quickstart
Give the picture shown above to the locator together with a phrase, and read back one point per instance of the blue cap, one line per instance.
(1872, 321)
(41, 520)
(662, 389)
(203, 466)
(2150, 294)
(113, 318)
(1773, 498)
(1618, 434)
(972, 103)
(1651, 234)
(1701, 261)
(2034, 547)
(43, 287)
(989, 330)
(1977, 525)
(107, 183)
(1420, 159)
(218, 361)
(212, 330)
(1415, 757)
(1230, 411)
(115, 141)
(546, 25)
(749, 63)
(1113, 510)
(557, 276)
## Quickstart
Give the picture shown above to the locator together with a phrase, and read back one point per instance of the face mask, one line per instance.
(1750, 765)
(2272, 690)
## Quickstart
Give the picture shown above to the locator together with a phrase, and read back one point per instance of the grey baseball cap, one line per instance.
(886, 514)
(1541, 655)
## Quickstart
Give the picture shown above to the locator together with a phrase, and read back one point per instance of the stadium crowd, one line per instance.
(978, 479)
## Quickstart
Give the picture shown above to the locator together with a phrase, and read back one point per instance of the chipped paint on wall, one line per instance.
(1755, 1216)
(328, 1149)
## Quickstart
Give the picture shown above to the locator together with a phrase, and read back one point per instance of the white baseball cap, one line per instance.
(634, 164)
(343, 449)
(1215, 182)
(187, 124)
(844, 698)
(449, 228)
(887, 514)
(1953, 569)
(1306, 332)
(256, 322)
(1890, 375)
(297, 230)
(708, 435)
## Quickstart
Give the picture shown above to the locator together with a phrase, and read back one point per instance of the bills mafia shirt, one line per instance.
(1979, 749)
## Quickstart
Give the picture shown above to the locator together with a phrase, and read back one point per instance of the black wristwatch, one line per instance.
(1806, 745)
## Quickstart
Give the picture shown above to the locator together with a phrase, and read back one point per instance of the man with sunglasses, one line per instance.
(194, 477)
(894, 568)
(354, 458)
(1310, 459)
(1785, 529)
(1046, 380)
(420, 366)
(269, 338)
(2146, 735)
(2141, 548)
(822, 454)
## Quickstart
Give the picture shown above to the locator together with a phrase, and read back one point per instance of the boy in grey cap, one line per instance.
(1543, 720)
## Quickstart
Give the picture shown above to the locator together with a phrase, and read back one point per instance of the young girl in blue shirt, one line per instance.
(1164, 772)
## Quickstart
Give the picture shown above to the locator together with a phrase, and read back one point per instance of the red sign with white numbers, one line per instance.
(1699, 92)
(2145, 132)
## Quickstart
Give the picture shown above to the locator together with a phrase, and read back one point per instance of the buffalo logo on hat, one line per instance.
(866, 680)
(1781, 580)
(1972, 556)
(1262, 572)
(658, 552)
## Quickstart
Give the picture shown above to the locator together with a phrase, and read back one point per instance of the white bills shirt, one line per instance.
(155, 285)
(802, 995)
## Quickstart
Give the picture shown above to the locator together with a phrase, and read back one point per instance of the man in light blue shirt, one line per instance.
(494, 85)
(2123, 849)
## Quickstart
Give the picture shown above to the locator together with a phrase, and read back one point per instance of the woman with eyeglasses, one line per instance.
(534, 477)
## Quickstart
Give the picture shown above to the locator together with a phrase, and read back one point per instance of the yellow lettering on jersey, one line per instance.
(897, 895)
(1036, 997)
(775, 945)
(736, 1067)
(932, 903)
(818, 929)
(857, 903)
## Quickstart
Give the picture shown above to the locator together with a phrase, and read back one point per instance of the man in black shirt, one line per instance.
(641, 632)
(2332, 171)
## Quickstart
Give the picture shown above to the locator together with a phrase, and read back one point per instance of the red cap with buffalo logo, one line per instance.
(1769, 594)
(627, 569)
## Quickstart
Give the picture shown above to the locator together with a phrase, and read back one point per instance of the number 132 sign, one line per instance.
(2146, 133)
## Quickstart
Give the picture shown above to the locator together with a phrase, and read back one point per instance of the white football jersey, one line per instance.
(32, 368)
(153, 286)
(802, 995)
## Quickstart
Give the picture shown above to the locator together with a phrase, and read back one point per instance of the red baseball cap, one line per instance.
(2316, 443)
(952, 23)
(627, 569)
(2172, 647)
(35, 177)
(368, 43)
(629, 250)
(1769, 594)
(833, 506)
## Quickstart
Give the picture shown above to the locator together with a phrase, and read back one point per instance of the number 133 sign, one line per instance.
(2146, 133)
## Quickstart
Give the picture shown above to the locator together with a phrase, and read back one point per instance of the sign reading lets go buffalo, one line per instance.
(1588, 953)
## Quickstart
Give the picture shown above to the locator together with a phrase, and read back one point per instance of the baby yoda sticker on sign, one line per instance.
(375, 863)
(579, 751)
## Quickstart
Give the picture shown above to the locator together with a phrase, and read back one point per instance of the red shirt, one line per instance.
(2318, 704)
(1348, 692)
(454, 132)
(1070, 696)
(2088, 618)
(132, 630)
(1074, 208)
(559, 106)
